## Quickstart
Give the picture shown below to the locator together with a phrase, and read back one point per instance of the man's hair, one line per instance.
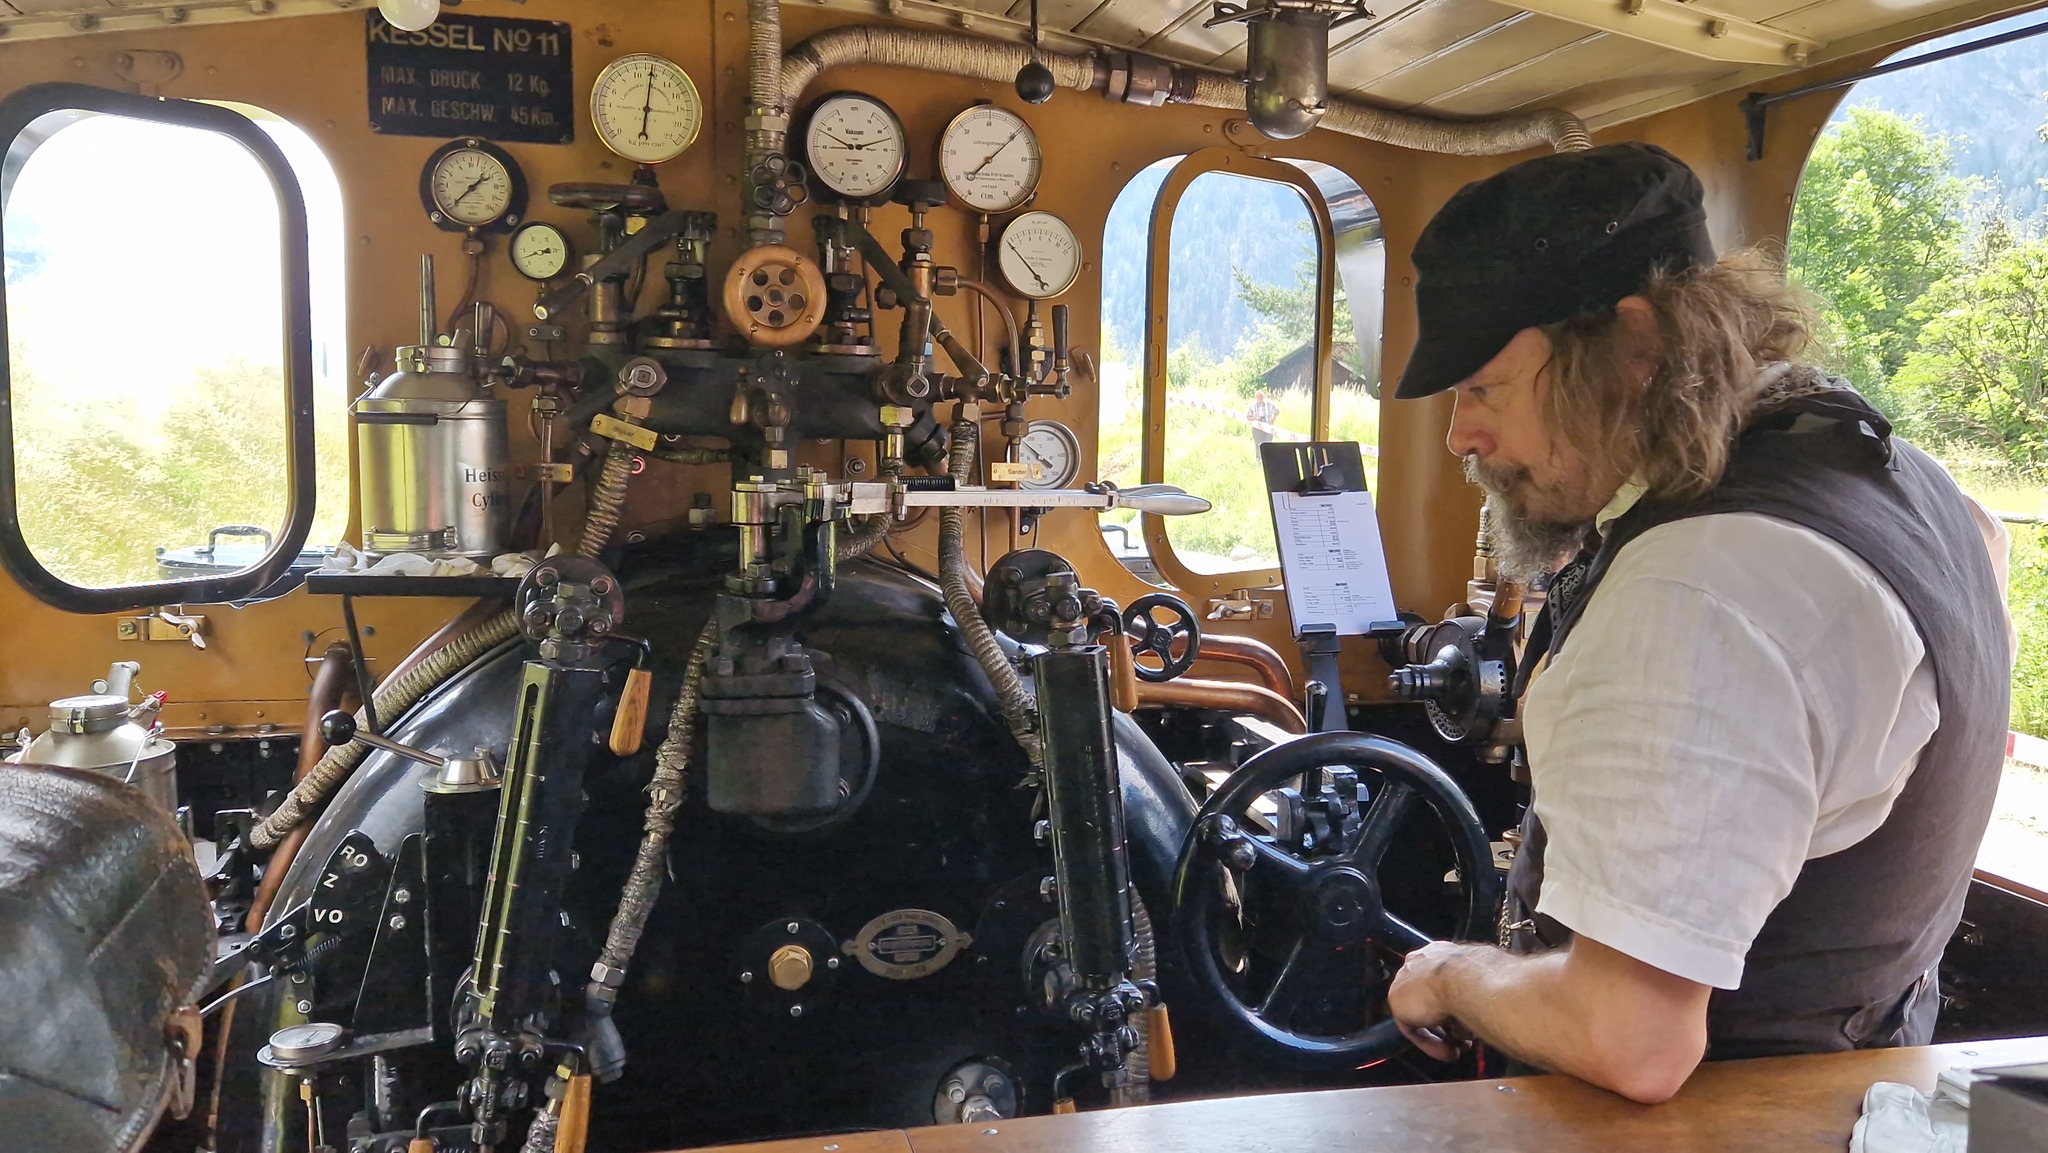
(1717, 327)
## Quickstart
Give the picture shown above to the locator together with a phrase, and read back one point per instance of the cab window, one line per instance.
(159, 368)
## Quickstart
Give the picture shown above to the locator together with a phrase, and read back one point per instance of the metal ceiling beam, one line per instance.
(1689, 28)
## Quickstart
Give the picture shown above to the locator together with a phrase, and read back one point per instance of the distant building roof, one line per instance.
(1293, 371)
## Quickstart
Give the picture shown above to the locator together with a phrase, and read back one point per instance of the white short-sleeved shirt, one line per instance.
(1740, 696)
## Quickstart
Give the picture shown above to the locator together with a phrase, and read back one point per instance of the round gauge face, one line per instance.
(855, 145)
(645, 108)
(1039, 255)
(470, 187)
(1053, 452)
(989, 159)
(540, 251)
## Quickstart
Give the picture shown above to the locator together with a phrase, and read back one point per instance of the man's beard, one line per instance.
(1523, 548)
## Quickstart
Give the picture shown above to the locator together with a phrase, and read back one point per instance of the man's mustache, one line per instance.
(1494, 478)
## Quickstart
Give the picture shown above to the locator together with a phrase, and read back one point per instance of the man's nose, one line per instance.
(1469, 435)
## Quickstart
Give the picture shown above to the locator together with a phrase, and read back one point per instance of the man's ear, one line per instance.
(1640, 318)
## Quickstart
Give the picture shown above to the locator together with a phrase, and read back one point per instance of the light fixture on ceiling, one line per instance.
(409, 15)
(1287, 59)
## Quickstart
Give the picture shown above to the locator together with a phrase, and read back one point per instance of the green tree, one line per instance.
(1287, 319)
(1979, 376)
(1879, 221)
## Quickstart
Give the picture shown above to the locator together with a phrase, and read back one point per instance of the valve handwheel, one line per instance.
(1328, 898)
(1164, 636)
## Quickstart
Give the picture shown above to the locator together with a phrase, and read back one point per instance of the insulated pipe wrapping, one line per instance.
(1546, 128)
(395, 696)
(864, 538)
(953, 54)
(767, 111)
(665, 793)
(924, 50)
(1015, 699)
(1138, 1090)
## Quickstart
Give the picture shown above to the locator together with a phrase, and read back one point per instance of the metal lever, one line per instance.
(1160, 500)
(339, 728)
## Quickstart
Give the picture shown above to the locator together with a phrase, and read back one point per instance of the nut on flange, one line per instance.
(789, 968)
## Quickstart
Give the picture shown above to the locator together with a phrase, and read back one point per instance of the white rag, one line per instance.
(1901, 1119)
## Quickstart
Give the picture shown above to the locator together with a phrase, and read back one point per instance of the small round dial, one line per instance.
(540, 251)
(1053, 453)
(472, 184)
(856, 146)
(646, 108)
(989, 159)
(1039, 255)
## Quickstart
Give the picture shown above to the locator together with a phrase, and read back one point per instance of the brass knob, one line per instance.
(789, 968)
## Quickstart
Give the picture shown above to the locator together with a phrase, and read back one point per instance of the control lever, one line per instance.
(473, 773)
(659, 232)
(1160, 500)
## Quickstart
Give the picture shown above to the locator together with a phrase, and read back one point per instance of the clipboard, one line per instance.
(1332, 558)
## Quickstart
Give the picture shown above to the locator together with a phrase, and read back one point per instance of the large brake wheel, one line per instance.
(1242, 892)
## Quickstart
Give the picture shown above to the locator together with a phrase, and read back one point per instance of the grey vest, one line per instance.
(1847, 960)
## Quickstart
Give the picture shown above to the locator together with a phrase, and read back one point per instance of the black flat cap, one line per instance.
(1547, 240)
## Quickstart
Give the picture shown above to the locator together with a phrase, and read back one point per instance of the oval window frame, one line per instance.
(23, 109)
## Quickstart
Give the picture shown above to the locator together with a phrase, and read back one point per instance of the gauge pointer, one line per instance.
(992, 156)
(474, 185)
(1031, 268)
(841, 143)
(647, 102)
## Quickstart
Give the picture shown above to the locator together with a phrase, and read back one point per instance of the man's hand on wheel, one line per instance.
(1417, 1007)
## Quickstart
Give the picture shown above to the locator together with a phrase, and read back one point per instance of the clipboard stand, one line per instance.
(1331, 561)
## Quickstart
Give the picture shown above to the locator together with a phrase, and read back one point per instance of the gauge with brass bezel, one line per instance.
(646, 108)
(1039, 255)
(472, 185)
(990, 159)
(540, 251)
(1052, 452)
(855, 146)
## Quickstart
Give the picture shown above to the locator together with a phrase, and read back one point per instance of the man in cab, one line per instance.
(1765, 704)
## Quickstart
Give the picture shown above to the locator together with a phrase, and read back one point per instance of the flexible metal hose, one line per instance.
(540, 1136)
(954, 54)
(1138, 1090)
(1018, 707)
(394, 697)
(1009, 321)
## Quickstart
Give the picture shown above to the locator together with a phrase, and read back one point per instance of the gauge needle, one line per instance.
(1034, 454)
(841, 143)
(647, 102)
(474, 185)
(992, 156)
(1030, 267)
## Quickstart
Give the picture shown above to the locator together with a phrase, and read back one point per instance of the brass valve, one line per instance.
(789, 968)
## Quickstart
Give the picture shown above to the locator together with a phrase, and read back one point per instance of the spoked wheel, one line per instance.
(1290, 937)
(1164, 636)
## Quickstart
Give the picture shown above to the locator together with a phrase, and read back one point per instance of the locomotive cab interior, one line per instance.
(729, 571)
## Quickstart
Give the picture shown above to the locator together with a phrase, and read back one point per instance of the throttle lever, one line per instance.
(659, 232)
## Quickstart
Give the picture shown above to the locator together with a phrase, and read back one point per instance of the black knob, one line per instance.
(920, 193)
(1059, 330)
(337, 728)
(1034, 82)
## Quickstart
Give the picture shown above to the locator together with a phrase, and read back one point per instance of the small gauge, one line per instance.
(989, 159)
(1039, 255)
(646, 108)
(856, 147)
(540, 251)
(1052, 451)
(471, 185)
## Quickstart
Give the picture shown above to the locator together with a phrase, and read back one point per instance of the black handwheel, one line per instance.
(1327, 897)
(1162, 627)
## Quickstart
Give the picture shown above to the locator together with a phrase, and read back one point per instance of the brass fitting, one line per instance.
(634, 407)
(967, 410)
(789, 968)
(897, 415)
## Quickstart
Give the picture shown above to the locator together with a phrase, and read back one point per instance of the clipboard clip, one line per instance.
(1321, 482)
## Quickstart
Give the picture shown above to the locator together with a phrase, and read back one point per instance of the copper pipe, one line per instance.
(1236, 650)
(1234, 696)
(334, 687)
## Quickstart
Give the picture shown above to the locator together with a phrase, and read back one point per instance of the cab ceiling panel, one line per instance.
(1420, 32)
(1482, 55)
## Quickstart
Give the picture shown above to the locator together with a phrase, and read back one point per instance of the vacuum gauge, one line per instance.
(470, 185)
(990, 160)
(1053, 452)
(856, 147)
(645, 108)
(540, 251)
(1039, 255)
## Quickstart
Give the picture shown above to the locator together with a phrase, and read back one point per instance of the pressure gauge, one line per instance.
(646, 108)
(856, 147)
(1039, 255)
(471, 185)
(540, 251)
(990, 159)
(1053, 453)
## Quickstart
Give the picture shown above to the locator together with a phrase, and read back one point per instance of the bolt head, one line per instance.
(397, 922)
(305, 1007)
(796, 1010)
(747, 978)
(401, 896)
